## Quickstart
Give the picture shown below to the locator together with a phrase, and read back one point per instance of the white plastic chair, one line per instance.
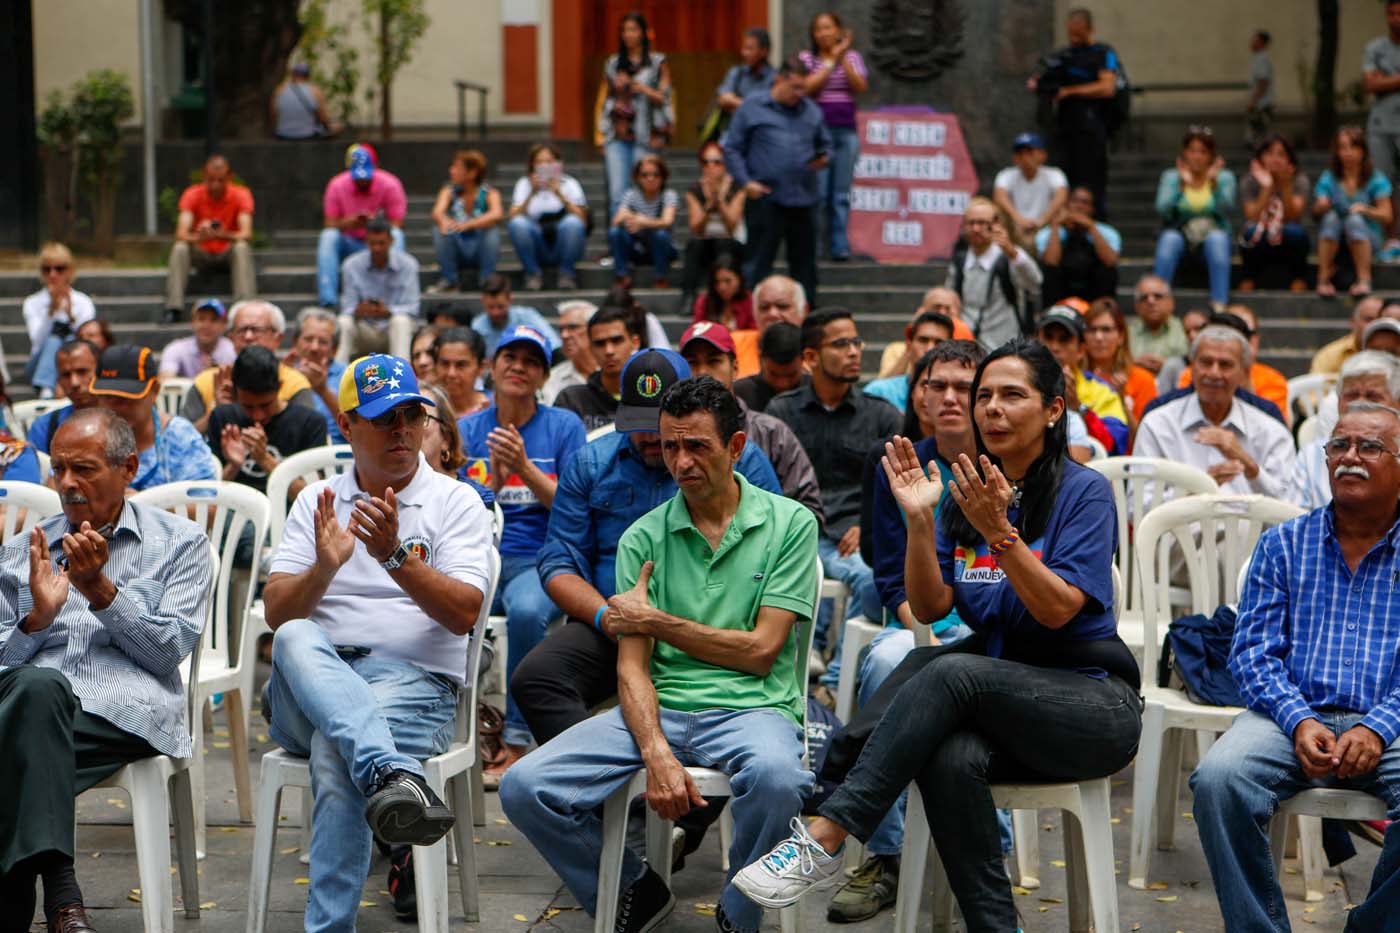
(710, 783)
(1214, 535)
(1307, 432)
(147, 783)
(1309, 808)
(498, 524)
(600, 431)
(1097, 451)
(447, 774)
(1307, 392)
(1093, 895)
(28, 412)
(172, 394)
(224, 510)
(45, 466)
(309, 465)
(24, 505)
(1140, 484)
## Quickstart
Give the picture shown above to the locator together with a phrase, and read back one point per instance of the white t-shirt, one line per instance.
(1031, 197)
(39, 323)
(442, 519)
(546, 201)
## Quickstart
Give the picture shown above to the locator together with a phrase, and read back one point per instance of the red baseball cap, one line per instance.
(716, 335)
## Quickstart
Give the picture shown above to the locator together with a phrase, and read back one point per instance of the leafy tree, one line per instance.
(334, 62)
(400, 24)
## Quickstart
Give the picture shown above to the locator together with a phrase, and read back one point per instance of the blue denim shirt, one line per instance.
(770, 143)
(602, 491)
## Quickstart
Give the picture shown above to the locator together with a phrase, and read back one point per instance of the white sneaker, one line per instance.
(797, 866)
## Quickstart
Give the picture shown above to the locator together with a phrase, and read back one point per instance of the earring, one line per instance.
(1051, 425)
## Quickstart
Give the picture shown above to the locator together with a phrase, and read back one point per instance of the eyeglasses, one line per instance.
(939, 386)
(254, 329)
(979, 222)
(846, 343)
(441, 421)
(711, 161)
(1102, 330)
(411, 415)
(1152, 296)
(1367, 448)
(46, 268)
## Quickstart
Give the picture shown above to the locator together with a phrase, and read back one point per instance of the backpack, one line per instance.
(1118, 109)
(1001, 275)
(1198, 651)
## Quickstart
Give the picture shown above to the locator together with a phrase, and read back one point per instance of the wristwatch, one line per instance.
(397, 559)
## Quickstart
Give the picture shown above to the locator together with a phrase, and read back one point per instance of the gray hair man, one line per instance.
(313, 355)
(1244, 448)
(579, 363)
(1368, 377)
(98, 607)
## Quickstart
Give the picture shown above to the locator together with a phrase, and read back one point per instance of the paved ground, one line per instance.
(519, 892)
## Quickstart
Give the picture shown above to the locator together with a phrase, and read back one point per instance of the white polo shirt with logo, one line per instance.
(442, 520)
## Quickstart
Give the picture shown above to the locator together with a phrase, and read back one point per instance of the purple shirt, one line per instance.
(835, 99)
(343, 199)
(182, 357)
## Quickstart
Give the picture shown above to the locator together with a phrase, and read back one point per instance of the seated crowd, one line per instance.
(662, 518)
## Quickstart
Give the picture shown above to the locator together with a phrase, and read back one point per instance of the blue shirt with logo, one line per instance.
(552, 436)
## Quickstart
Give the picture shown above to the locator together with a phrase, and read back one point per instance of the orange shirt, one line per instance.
(745, 352)
(237, 200)
(1265, 382)
(1140, 390)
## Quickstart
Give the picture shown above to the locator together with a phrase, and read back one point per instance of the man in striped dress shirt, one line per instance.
(98, 607)
(1316, 654)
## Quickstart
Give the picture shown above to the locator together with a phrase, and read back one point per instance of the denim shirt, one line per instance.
(602, 491)
(772, 144)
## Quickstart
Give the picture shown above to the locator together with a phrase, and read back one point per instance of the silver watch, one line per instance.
(397, 559)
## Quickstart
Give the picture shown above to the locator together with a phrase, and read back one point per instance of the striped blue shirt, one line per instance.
(123, 662)
(1311, 634)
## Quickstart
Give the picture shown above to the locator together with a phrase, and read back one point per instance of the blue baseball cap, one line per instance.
(528, 336)
(1027, 141)
(361, 165)
(646, 376)
(212, 304)
(376, 383)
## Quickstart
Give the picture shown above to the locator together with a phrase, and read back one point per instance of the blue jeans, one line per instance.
(653, 243)
(473, 248)
(535, 251)
(618, 159)
(1238, 787)
(1171, 247)
(864, 599)
(1354, 228)
(356, 719)
(528, 610)
(42, 369)
(554, 795)
(834, 189)
(883, 656)
(332, 249)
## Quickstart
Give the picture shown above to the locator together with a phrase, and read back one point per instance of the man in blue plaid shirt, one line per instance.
(1316, 654)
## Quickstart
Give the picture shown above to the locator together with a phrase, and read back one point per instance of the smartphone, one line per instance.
(216, 225)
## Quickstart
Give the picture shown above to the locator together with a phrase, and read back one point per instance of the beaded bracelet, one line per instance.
(1004, 545)
(598, 617)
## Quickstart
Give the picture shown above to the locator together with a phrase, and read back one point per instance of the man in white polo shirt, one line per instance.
(372, 593)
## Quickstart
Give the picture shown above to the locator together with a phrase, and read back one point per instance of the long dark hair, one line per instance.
(812, 28)
(624, 58)
(713, 307)
(1357, 136)
(912, 428)
(1042, 481)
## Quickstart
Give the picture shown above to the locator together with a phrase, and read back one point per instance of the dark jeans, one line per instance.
(700, 254)
(1081, 152)
(1088, 282)
(559, 682)
(962, 722)
(1290, 255)
(769, 224)
(52, 752)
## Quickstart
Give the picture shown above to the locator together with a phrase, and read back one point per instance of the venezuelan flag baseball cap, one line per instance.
(376, 383)
(645, 378)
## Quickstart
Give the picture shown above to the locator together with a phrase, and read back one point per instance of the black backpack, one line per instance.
(1001, 275)
(1118, 109)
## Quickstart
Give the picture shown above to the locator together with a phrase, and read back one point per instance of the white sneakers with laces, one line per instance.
(797, 866)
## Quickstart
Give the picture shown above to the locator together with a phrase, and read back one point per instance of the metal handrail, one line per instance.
(481, 90)
(1189, 86)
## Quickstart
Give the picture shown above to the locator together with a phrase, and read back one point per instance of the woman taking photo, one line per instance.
(1045, 690)
(1107, 355)
(1194, 200)
(837, 78)
(465, 216)
(714, 209)
(548, 218)
(728, 300)
(1351, 200)
(636, 117)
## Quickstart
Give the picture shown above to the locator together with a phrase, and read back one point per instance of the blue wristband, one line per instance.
(598, 617)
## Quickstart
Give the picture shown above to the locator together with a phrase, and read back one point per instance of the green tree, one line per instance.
(334, 62)
(395, 26)
(102, 102)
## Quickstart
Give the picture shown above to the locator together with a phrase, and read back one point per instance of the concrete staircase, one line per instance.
(882, 296)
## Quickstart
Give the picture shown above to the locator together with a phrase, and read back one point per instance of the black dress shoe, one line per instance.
(405, 811)
(70, 919)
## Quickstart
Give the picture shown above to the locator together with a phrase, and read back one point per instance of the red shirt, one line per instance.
(742, 310)
(237, 200)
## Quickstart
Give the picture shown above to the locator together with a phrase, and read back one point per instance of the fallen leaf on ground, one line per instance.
(302, 881)
(522, 918)
(208, 905)
(1158, 886)
(369, 904)
(1051, 900)
(707, 910)
(1114, 820)
(501, 822)
(134, 895)
(1044, 909)
(1017, 889)
(289, 850)
(1169, 899)
(498, 842)
(1058, 862)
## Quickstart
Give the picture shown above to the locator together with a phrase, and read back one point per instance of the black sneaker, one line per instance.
(723, 924)
(643, 906)
(871, 889)
(401, 883)
(405, 811)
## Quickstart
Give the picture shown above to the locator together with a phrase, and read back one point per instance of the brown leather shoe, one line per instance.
(71, 919)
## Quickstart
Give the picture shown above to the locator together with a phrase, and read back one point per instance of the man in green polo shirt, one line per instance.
(725, 571)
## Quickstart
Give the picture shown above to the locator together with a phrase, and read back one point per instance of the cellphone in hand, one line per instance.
(216, 225)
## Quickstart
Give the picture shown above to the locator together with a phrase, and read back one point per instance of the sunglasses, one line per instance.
(412, 416)
(46, 268)
(711, 161)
